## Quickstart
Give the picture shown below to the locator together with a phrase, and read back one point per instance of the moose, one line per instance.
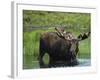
(61, 46)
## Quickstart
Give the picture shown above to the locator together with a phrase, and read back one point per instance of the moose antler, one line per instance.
(84, 35)
(64, 34)
(60, 32)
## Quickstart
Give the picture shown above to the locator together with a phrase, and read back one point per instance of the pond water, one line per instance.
(84, 62)
(30, 63)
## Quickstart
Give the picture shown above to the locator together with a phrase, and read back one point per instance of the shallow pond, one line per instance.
(30, 63)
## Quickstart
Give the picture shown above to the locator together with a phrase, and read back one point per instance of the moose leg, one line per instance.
(51, 63)
(41, 63)
(74, 60)
(42, 52)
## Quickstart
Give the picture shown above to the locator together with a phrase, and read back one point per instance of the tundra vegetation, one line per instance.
(37, 22)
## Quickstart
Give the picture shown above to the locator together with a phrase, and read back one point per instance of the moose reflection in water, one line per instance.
(61, 46)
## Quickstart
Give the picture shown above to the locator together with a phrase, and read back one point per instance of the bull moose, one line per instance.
(62, 48)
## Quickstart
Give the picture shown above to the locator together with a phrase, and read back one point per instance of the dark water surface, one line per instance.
(30, 62)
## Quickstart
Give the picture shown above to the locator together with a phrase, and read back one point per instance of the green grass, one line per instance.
(31, 42)
(50, 19)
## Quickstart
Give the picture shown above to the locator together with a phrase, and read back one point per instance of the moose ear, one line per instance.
(83, 36)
